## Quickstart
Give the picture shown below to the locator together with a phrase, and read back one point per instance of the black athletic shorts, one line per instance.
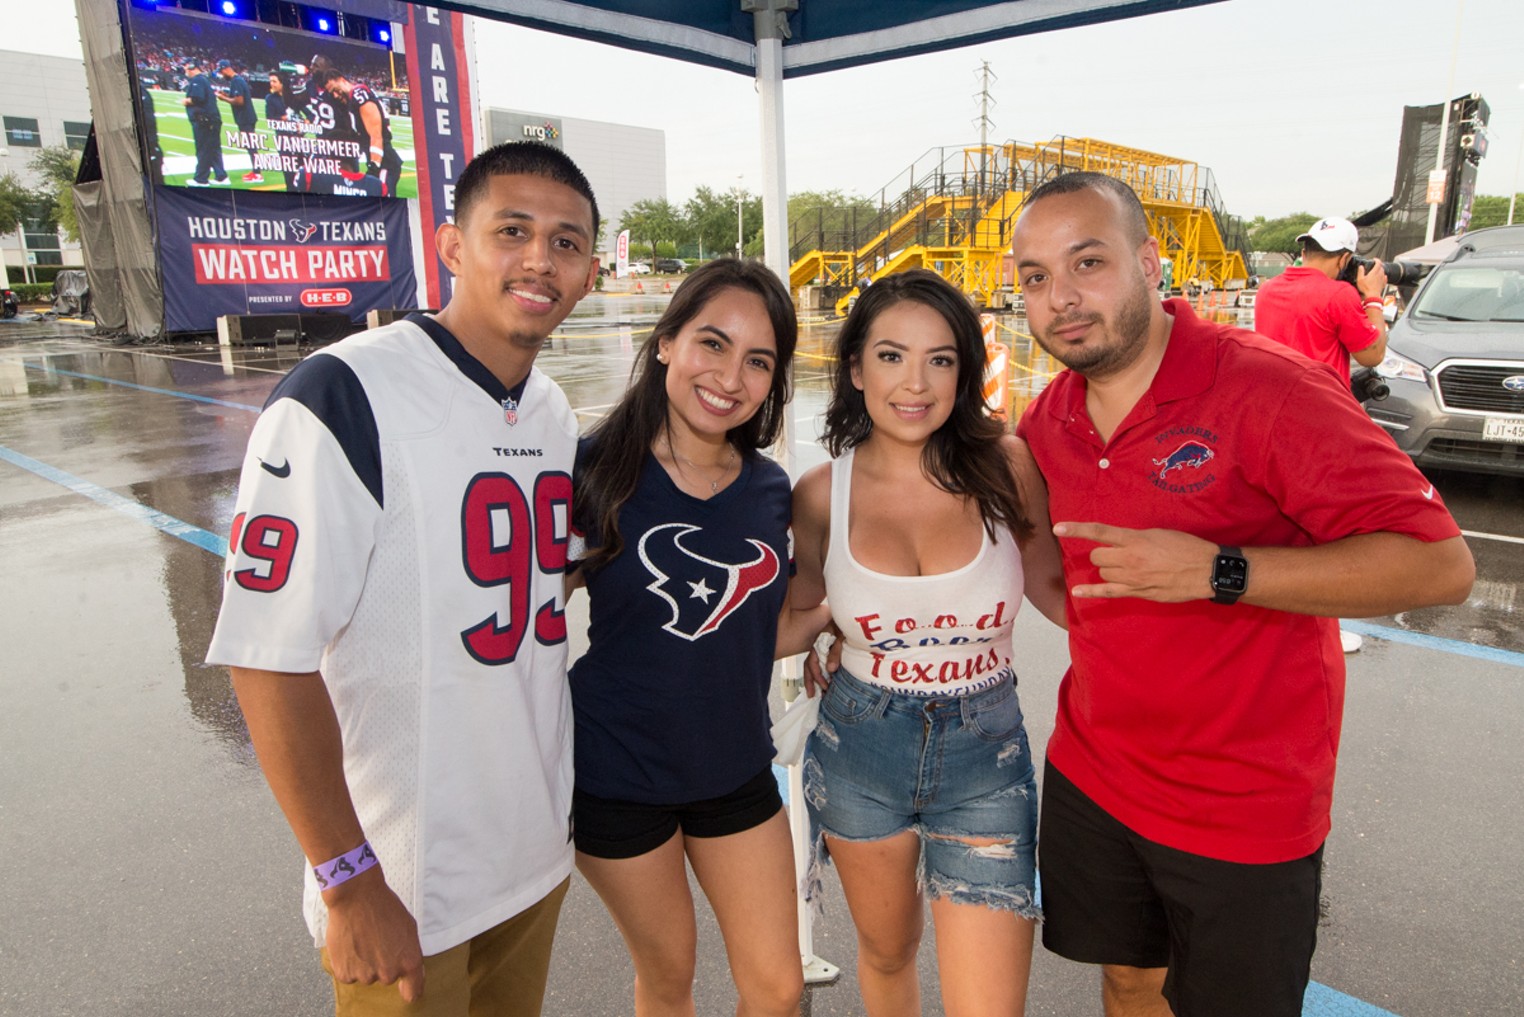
(1236, 939)
(607, 828)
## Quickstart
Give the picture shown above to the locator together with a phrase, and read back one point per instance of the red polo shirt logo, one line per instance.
(1191, 454)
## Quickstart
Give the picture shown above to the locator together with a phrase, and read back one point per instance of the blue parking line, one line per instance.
(1491, 654)
(1321, 1001)
(145, 388)
(203, 539)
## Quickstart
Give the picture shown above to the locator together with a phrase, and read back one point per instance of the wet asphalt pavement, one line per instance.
(145, 869)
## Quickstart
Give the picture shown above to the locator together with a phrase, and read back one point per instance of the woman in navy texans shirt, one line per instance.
(684, 533)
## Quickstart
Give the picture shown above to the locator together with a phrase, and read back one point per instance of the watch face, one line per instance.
(1230, 574)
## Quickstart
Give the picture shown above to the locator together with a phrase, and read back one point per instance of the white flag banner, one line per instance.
(622, 255)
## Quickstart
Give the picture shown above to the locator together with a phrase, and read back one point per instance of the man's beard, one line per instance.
(530, 339)
(1127, 335)
(527, 340)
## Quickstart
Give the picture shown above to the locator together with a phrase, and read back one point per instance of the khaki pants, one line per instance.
(499, 973)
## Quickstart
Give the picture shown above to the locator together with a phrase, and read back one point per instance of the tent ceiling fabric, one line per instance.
(824, 35)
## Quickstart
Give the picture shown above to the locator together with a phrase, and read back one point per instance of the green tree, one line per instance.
(751, 223)
(829, 220)
(711, 219)
(17, 202)
(653, 220)
(1492, 210)
(20, 206)
(1279, 235)
(58, 166)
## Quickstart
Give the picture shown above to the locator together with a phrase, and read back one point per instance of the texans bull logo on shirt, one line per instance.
(701, 591)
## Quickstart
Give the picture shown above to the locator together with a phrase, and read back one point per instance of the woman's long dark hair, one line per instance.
(963, 456)
(609, 469)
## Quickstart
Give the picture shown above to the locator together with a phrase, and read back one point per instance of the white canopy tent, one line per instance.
(777, 39)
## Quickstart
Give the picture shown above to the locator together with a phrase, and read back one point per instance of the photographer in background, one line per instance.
(1312, 310)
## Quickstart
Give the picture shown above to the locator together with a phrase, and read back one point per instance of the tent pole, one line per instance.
(770, 22)
(770, 26)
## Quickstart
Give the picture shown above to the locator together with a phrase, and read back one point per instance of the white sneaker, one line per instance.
(193, 182)
(1351, 641)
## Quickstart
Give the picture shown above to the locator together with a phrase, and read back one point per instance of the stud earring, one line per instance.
(661, 358)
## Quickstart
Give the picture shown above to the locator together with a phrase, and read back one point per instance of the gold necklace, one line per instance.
(714, 485)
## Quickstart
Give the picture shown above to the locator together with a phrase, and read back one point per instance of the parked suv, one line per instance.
(669, 266)
(1455, 361)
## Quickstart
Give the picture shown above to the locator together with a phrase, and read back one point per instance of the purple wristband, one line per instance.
(347, 866)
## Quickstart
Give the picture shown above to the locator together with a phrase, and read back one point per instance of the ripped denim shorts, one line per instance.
(952, 768)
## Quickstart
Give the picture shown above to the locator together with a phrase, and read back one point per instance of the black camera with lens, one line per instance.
(1398, 273)
(1366, 385)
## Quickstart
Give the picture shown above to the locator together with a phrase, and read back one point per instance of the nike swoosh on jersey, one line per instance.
(282, 471)
(1429, 494)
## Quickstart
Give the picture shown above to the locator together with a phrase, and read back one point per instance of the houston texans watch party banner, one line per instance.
(268, 254)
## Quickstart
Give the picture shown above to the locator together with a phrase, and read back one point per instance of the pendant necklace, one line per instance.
(714, 485)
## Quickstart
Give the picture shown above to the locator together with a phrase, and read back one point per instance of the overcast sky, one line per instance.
(1293, 104)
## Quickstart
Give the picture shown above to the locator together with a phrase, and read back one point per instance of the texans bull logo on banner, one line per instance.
(701, 592)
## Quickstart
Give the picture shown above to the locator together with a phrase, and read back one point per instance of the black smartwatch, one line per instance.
(1230, 575)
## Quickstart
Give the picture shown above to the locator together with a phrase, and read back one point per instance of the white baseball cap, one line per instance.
(1333, 235)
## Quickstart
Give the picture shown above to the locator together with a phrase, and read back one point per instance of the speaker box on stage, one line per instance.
(386, 315)
(276, 329)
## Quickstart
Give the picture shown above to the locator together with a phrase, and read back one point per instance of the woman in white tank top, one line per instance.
(921, 535)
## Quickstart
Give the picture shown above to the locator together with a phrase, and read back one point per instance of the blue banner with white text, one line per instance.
(225, 252)
(443, 124)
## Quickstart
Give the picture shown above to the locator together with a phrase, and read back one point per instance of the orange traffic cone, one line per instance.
(667, 286)
(639, 287)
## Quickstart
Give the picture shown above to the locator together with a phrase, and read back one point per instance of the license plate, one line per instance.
(1503, 429)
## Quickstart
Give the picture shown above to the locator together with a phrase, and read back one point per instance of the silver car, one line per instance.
(1455, 361)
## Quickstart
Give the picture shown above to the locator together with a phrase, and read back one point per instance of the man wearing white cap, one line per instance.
(1315, 313)
(1312, 310)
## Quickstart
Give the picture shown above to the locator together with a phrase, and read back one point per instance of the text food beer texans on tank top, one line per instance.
(945, 634)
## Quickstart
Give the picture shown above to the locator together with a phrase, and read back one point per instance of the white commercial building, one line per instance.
(624, 164)
(44, 103)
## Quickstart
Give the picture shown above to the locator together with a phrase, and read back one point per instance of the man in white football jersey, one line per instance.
(392, 612)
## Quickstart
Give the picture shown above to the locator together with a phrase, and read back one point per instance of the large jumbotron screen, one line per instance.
(319, 114)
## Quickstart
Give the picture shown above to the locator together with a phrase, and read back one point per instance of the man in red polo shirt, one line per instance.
(1220, 502)
(1312, 310)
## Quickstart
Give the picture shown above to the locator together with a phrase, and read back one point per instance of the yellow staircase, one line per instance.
(1180, 199)
(829, 268)
(953, 211)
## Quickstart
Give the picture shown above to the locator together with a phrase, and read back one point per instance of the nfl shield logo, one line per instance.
(511, 411)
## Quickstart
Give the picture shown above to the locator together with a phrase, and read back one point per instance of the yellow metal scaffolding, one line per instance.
(955, 215)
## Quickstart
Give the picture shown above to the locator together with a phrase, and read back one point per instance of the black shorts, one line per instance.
(608, 828)
(1236, 939)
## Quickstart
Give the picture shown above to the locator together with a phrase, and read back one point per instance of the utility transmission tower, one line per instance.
(984, 123)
